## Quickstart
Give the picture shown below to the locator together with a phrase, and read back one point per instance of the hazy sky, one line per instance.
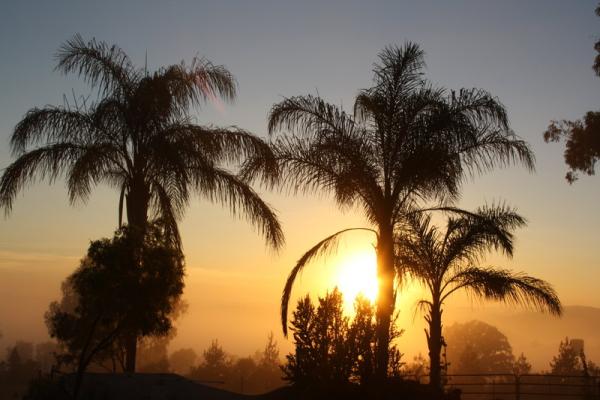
(536, 56)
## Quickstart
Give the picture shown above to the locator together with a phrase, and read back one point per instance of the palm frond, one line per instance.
(201, 82)
(366, 106)
(494, 148)
(479, 107)
(51, 125)
(225, 188)
(418, 248)
(45, 162)
(231, 145)
(106, 67)
(167, 214)
(172, 186)
(339, 167)
(309, 115)
(422, 306)
(138, 136)
(400, 69)
(213, 80)
(121, 204)
(94, 164)
(505, 286)
(481, 133)
(470, 235)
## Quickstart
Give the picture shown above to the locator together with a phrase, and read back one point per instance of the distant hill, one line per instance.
(538, 335)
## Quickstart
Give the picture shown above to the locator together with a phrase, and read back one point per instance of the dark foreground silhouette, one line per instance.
(176, 387)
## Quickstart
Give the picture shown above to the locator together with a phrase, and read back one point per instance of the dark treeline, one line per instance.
(330, 346)
(23, 362)
(258, 373)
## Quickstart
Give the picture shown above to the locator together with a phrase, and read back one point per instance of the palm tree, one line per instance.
(446, 262)
(406, 143)
(138, 137)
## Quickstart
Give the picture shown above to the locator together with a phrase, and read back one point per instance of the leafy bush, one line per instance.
(331, 347)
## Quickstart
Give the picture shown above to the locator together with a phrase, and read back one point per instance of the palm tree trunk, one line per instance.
(434, 343)
(385, 299)
(137, 201)
(137, 218)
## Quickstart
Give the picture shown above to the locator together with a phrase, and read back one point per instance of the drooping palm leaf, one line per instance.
(222, 187)
(51, 125)
(44, 162)
(507, 287)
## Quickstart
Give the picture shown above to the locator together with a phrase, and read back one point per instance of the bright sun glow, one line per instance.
(358, 275)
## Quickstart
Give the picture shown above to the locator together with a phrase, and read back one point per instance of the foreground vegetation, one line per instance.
(472, 348)
(405, 149)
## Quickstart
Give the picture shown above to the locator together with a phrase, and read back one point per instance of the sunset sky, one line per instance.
(535, 56)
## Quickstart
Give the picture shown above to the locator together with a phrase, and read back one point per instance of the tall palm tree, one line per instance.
(406, 143)
(138, 137)
(448, 261)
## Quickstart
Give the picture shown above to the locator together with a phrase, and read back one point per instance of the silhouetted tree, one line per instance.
(478, 348)
(362, 334)
(152, 354)
(25, 350)
(582, 143)
(568, 361)
(417, 369)
(138, 137)
(445, 262)
(255, 374)
(270, 354)
(321, 356)
(182, 360)
(116, 297)
(406, 142)
(17, 370)
(521, 365)
(13, 361)
(242, 372)
(268, 368)
(45, 355)
(582, 137)
(215, 357)
(215, 366)
(593, 369)
(596, 66)
(330, 348)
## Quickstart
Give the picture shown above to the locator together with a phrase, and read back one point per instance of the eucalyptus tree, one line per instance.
(406, 144)
(138, 136)
(449, 261)
(582, 137)
(107, 298)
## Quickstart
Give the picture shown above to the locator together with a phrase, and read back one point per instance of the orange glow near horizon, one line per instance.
(357, 274)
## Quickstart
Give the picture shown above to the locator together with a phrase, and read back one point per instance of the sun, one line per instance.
(357, 274)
